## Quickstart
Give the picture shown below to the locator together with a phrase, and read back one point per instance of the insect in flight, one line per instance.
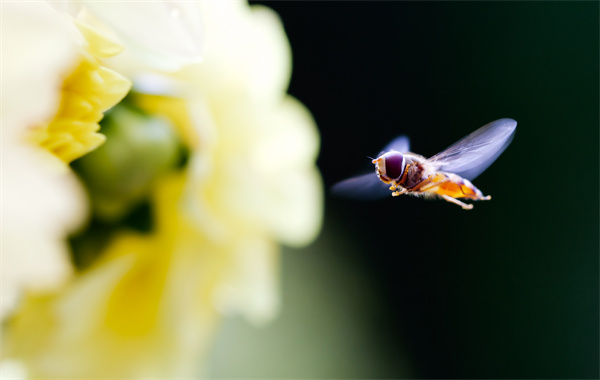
(446, 175)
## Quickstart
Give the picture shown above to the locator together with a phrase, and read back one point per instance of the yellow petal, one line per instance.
(89, 91)
(114, 87)
(99, 44)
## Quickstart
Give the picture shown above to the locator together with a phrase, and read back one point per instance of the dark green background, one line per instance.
(507, 290)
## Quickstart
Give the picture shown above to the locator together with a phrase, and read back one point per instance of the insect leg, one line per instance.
(465, 206)
(397, 193)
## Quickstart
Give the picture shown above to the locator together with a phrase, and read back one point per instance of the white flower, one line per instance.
(253, 179)
(162, 35)
(150, 304)
(41, 201)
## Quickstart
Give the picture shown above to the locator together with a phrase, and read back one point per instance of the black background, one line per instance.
(510, 288)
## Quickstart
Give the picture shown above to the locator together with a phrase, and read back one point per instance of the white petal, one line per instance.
(72, 7)
(163, 34)
(271, 151)
(38, 49)
(246, 52)
(40, 207)
(12, 370)
(290, 181)
(251, 285)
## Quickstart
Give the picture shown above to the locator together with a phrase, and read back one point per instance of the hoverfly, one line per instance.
(446, 175)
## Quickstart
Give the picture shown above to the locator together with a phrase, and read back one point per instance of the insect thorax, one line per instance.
(416, 173)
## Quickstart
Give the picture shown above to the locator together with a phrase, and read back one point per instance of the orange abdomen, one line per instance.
(455, 187)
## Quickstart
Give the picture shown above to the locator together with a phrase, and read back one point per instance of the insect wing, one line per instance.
(364, 187)
(470, 156)
(399, 144)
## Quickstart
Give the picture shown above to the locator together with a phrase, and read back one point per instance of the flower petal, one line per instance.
(40, 207)
(247, 54)
(38, 50)
(163, 34)
(41, 199)
(250, 284)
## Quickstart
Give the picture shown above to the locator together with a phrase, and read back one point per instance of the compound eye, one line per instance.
(394, 165)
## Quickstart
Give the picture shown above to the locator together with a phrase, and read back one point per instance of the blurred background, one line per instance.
(407, 288)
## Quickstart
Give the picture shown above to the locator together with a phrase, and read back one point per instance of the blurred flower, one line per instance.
(10, 369)
(164, 35)
(224, 162)
(161, 34)
(86, 93)
(54, 94)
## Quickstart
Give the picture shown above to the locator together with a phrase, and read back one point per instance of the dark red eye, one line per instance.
(394, 165)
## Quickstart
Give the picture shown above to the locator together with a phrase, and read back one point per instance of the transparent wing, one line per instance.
(399, 144)
(471, 155)
(364, 187)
